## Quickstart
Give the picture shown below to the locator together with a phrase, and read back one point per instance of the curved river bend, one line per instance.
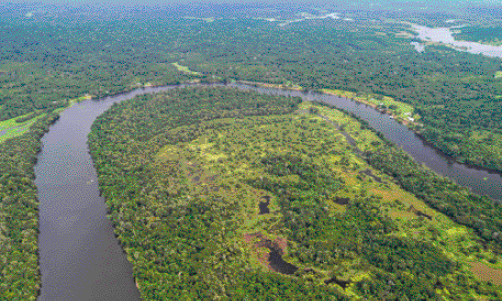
(80, 258)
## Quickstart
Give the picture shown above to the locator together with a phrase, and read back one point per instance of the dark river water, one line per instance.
(480, 181)
(80, 258)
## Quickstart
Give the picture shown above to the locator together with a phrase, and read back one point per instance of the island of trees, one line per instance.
(185, 173)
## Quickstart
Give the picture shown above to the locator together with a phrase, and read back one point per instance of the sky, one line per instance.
(174, 2)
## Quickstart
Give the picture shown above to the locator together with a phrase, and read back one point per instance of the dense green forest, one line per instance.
(184, 173)
(482, 34)
(157, 155)
(19, 273)
(477, 212)
(457, 94)
(50, 60)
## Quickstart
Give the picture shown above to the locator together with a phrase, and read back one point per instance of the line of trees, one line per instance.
(19, 272)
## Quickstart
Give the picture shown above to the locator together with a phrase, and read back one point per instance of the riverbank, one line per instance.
(20, 277)
(273, 86)
(445, 36)
(397, 110)
(341, 102)
(79, 254)
(217, 171)
(401, 113)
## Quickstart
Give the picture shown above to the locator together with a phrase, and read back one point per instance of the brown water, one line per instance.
(480, 181)
(80, 258)
(278, 264)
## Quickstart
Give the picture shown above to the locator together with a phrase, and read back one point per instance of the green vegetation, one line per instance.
(19, 273)
(401, 111)
(455, 93)
(43, 67)
(184, 69)
(481, 34)
(187, 169)
(18, 126)
(183, 173)
(479, 213)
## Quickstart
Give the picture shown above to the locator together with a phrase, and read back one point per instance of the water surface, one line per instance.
(445, 35)
(480, 181)
(419, 47)
(80, 258)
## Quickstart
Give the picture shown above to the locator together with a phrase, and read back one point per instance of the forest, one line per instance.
(166, 168)
(482, 34)
(48, 61)
(19, 272)
(188, 169)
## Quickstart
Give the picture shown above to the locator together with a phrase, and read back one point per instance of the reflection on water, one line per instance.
(264, 205)
(80, 258)
(278, 264)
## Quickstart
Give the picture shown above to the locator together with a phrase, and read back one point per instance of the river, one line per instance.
(81, 259)
(480, 181)
(445, 35)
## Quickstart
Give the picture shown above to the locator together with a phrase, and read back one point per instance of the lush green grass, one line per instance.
(12, 129)
(160, 168)
(400, 110)
(230, 154)
(184, 69)
(453, 236)
(79, 99)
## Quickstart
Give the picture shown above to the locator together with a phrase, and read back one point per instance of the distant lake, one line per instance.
(445, 35)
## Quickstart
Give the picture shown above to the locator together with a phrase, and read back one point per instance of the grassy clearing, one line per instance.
(74, 101)
(185, 69)
(288, 85)
(457, 241)
(498, 74)
(220, 163)
(399, 110)
(10, 128)
(79, 99)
